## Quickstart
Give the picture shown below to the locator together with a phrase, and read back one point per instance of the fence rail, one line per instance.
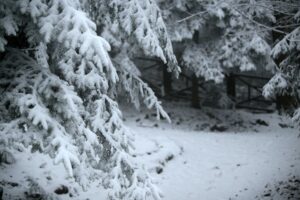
(252, 83)
(192, 86)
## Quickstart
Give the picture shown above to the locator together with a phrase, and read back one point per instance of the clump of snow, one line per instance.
(259, 46)
(277, 84)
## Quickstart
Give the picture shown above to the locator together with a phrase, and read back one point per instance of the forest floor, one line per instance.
(204, 154)
(219, 155)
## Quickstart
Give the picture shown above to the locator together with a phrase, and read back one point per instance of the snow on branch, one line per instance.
(276, 85)
(122, 180)
(141, 22)
(8, 22)
(290, 42)
(62, 89)
(196, 59)
(86, 62)
(124, 172)
(136, 87)
(46, 101)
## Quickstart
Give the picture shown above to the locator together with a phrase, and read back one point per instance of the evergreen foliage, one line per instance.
(59, 87)
(285, 83)
(64, 63)
(219, 35)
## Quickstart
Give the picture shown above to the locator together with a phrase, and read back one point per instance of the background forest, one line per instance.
(77, 76)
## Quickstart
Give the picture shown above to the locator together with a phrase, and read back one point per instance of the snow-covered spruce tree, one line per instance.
(286, 52)
(58, 88)
(134, 28)
(219, 35)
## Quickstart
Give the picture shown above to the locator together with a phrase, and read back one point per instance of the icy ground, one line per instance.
(248, 156)
(204, 154)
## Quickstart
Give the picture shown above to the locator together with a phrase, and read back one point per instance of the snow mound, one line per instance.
(35, 176)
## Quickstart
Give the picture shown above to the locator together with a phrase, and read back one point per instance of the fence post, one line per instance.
(195, 92)
(231, 86)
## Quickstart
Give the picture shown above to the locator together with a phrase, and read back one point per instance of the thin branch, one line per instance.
(191, 16)
(199, 13)
(264, 6)
(260, 24)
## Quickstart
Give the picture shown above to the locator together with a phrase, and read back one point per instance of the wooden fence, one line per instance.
(253, 86)
(236, 85)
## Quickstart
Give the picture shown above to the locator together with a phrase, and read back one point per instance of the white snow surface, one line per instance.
(187, 160)
(219, 165)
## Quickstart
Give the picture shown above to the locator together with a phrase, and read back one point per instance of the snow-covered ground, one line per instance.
(203, 154)
(254, 156)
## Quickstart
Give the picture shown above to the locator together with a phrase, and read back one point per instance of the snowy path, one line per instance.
(217, 166)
